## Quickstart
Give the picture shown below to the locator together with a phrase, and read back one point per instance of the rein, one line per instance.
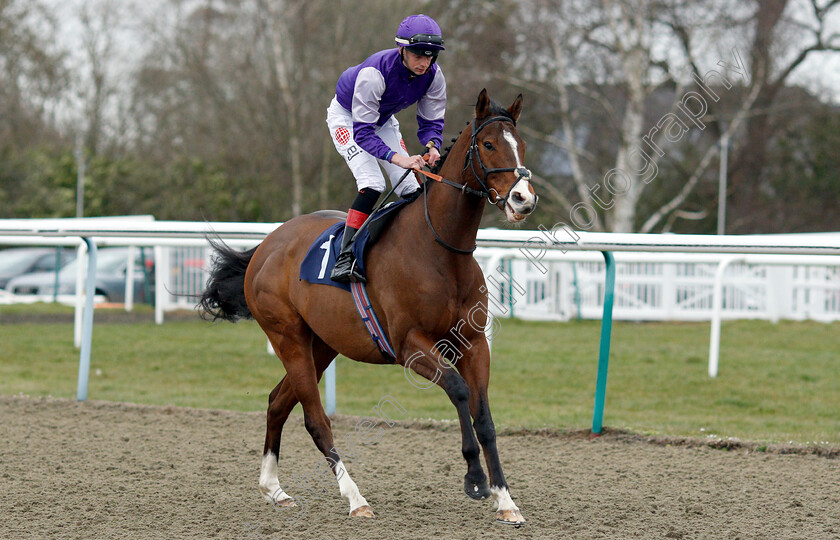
(485, 193)
(438, 239)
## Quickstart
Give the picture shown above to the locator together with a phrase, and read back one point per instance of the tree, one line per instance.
(785, 34)
(652, 73)
(99, 21)
(245, 86)
(31, 80)
(31, 72)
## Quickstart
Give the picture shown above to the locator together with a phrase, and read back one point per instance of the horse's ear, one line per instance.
(516, 108)
(482, 106)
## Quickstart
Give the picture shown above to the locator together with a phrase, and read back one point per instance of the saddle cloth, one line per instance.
(320, 259)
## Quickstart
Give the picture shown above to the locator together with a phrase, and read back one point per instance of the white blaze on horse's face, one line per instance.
(520, 200)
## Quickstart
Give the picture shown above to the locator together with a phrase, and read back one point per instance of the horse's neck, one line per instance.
(455, 214)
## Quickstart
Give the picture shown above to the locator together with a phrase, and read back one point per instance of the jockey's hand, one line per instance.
(432, 156)
(408, 162)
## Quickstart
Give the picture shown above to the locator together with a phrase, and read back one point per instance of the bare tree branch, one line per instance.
(278, 60)
(683, 214)
(559, 143)
(689, 186)
(578, 175)
(553, 192)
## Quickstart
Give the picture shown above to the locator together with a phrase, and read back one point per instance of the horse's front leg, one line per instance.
(474, 366)
(420, 359)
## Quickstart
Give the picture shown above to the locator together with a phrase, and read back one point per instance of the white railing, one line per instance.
(664, 287)
(559, 286)
(671, 282)
(179, 251)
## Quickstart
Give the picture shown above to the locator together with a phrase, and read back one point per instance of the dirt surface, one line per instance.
(110, 470)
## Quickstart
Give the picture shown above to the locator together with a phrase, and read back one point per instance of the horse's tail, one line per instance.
(224, 297)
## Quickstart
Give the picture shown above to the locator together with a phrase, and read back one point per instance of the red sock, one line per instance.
(355, 218)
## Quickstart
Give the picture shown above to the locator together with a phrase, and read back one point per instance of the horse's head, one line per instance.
(496, 155)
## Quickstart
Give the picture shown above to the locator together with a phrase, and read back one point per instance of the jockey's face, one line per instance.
(416, 63)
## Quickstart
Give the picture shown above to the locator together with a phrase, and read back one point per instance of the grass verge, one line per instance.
(778, 382)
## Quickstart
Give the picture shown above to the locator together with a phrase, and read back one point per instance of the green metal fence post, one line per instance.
(604, 353)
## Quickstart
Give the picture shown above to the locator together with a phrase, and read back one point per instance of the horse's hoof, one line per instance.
(363, 511)
(476, 491)
(510, 517)
(288, 502)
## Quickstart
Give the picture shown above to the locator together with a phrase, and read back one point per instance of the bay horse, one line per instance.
(423, 284)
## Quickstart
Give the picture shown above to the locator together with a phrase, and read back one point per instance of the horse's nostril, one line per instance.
(517, 197)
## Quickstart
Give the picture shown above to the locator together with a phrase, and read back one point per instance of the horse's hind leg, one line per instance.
(281, 401)
(305, 358)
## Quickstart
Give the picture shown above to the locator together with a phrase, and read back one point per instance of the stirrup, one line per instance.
(355, 275)
(346, 270)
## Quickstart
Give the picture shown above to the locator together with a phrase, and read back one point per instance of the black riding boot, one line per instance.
(346, 270)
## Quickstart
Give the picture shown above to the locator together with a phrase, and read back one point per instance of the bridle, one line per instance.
(485, 193)
(521, 172)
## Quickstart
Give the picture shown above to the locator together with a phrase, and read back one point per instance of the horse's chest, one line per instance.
(443, 306)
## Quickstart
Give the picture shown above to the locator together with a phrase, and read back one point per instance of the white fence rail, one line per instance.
(524, 283)
(663, 287)
(535, 274)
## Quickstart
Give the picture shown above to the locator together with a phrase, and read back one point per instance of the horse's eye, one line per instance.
(488, 146)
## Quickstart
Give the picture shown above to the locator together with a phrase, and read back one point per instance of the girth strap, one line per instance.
(363, 306)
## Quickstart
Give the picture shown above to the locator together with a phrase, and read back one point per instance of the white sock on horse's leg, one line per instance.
(348, 488)
(269, 484)
(502, 500)
(505, 508)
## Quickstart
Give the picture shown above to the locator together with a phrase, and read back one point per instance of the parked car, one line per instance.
(111, 273)
(20, 261)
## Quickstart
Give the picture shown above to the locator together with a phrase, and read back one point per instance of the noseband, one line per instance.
(485, 193)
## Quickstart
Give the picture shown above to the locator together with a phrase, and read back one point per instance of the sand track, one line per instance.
(111, 470)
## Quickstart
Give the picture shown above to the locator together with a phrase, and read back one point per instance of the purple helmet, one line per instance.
(421, 34)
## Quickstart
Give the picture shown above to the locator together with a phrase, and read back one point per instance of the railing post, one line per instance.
(329, 388)
(78, 305)
(604, 353)
(56, 272)
(717, 313)
(87, 322)
(129, 279)
(162, 271)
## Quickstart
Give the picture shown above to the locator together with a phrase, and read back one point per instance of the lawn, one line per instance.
(777, 382)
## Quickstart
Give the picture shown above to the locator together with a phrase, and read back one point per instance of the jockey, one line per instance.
(365, 132)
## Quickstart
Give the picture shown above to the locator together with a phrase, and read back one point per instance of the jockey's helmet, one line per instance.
(421, 35)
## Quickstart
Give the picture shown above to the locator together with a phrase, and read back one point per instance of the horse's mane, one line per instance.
(494, 110)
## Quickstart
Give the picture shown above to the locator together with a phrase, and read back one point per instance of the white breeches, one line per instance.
(365, 167)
